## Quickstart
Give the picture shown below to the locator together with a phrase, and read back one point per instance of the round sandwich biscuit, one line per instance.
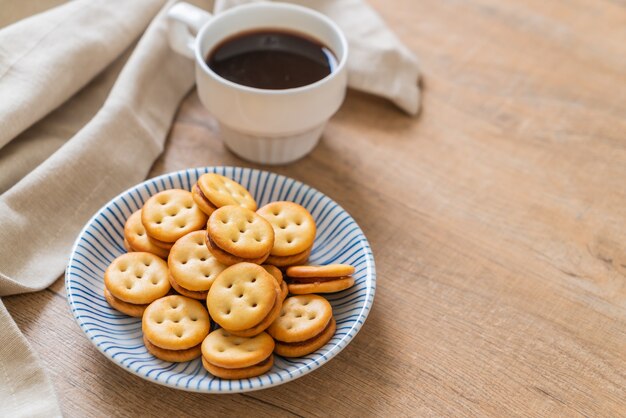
(289, 260)
(136, 237)
(330, 270)
(242, 296)
(129, 309)
(240, 232)
(230, 357)
(137, 278)
(171, 214)
(175, 323)
(305, 324)
(174, 356)
(229, 259)
(305, 286)
(294, 227)
(302, 317)
(193, 268)
(309, 346)
(212, 191)
(243, 373)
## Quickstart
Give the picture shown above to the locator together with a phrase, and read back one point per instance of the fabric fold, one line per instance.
(58, 52)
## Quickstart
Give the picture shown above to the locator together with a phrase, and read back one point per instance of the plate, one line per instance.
(339, 240)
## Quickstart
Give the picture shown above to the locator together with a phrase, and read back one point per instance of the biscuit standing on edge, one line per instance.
(213, 191)
(236, 234)
(136, 238)
(230, 357)
(278, 275)
(294, 232)
(244, 299)
(174, 327)
(133, 280)
(305, 325)
(320, 279)
(169, 215)
(192, 267)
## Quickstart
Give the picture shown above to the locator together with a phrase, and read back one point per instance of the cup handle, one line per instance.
(184, 22)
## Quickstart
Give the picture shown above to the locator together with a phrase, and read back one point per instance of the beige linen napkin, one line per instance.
(83, 115)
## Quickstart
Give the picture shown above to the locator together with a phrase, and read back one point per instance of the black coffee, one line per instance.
(272, 59)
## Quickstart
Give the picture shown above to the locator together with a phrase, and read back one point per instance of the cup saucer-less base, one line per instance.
(339, 240)
(271, 150)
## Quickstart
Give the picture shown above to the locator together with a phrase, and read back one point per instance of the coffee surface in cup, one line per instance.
(272, 59)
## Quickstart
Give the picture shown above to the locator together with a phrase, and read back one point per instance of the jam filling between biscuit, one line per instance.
(166, 350)
(303, 280)
(175, 284)
(115, 298)
(203, 197)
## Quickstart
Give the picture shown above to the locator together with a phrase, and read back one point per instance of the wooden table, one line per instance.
(497, 219)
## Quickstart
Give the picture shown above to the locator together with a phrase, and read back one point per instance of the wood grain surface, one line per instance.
(497, 219)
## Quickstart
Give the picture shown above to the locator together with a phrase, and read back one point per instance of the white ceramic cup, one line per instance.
(264, 126)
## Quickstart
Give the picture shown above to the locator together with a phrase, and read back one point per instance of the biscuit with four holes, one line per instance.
(192, 266)
(240, 233)
(212, 191)
(136, 238)
(320, 279)
(171, 214)
(174, 327)
(231, 357)
(305, 324)
(136, 278)
(242, 296)
(294, 227)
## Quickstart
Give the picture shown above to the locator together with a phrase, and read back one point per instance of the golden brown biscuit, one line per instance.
(138, 278)
(171, 214)
(203, 203)
(221, 191)
(274, 271)
(129, 309)
(192, 266)
(329, 270)
(137, 238)
(127, 246)
(284, 290)
(240, 232)
(229, 259)
(303, 348)
(198, 295)
(301, 318)
(289, 260)
(243, 373)
(175, 323)
(241, 296)
(294, 227)
(223, 349)
(175, 356)
(330, 285)
(267, 321)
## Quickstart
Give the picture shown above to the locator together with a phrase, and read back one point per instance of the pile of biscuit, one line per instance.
(210, 257)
